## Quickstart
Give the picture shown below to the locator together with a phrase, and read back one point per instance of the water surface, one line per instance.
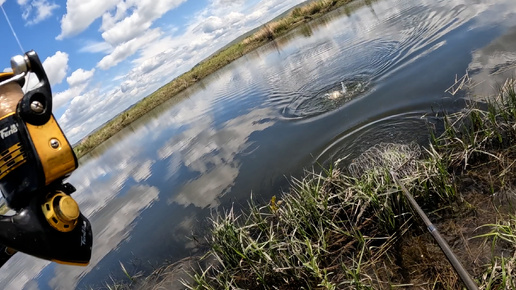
(270, 115)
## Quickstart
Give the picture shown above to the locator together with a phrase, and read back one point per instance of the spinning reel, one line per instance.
(35, 158)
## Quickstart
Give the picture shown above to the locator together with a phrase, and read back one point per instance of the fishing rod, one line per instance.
(400, 159)
(35, 160)
(463, 274)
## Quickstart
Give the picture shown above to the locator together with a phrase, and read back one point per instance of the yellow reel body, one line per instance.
(35, 158)
(32, 154)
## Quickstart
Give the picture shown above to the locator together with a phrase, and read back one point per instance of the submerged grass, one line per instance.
(213, 63)
(336, 229)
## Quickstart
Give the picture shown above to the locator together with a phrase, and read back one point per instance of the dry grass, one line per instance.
(296, 17)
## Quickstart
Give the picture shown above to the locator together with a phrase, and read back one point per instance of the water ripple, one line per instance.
(300, 89)
(401, 128)
(327, 99)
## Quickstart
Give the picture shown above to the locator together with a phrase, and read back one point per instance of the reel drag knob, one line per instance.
(68, 209)
(61, 212)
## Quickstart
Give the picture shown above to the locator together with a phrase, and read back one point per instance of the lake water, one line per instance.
(249, 127)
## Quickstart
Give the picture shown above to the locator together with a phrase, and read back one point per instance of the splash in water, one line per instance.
(327, 99)
(337, 94)
(351, 89)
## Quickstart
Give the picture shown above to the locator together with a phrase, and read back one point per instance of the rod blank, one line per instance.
(464, 275)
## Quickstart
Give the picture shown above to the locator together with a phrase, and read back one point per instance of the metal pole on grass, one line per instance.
(464, 275)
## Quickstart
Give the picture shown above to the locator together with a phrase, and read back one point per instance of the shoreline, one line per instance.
(267, 33)
(350, 226)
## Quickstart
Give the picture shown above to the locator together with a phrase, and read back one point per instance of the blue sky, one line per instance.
(102, 56)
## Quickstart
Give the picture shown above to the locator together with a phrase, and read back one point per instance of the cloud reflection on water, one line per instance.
(111, 227)
(199, 155)
(213, 156)
(205, 148)
(494, 64)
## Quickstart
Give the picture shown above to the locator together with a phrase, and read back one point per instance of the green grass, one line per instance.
(269, 32)
(501, 272)
(339, 229)
(330, 231)
(350, 227)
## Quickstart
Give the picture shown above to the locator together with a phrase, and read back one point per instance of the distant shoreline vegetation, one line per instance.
(269, 31)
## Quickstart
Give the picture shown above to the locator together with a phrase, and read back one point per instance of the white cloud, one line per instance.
(89, 110)
(109, 20)
(62, 98)
(43, 10)
(2, 2)
(56, 67)
(78, 82)
(127, 29)
(81, 13)
(128, 34)
(134, 25)
(37, 10)
(160, 56)
(117, 27)
(214, 23)
(127, 49)
(79, 77)
(96, 47)
(123, 33)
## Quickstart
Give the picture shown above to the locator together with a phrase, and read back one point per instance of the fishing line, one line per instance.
(19, 43)
(12, 29)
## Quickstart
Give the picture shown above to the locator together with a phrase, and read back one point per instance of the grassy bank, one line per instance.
(267, 33)
(351, 227)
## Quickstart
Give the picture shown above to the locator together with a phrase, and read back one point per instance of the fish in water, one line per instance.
(337, 94)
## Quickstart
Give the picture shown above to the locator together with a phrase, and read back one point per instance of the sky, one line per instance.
(102, 56)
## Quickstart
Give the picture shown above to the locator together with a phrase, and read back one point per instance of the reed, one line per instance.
(336, 230)
(349, 227)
